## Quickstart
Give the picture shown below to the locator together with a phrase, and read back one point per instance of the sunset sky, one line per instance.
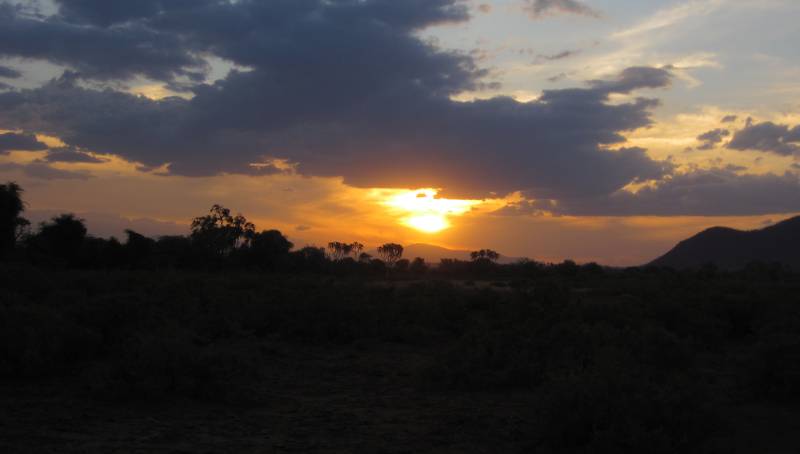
(597, 130)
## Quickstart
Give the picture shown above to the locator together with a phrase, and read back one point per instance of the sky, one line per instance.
(595, 130)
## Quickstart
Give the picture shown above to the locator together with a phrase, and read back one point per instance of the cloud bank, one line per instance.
(341, 88)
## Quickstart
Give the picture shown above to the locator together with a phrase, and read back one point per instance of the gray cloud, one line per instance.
(22, 142)
(540, 8)
(102, 53)
(9, 73)
(542, 58)
(711, 138)
(322, 93)
(729, 119)
(635, 78)
(713, 192)
(768, 137)
(67, 154)
(43, 171)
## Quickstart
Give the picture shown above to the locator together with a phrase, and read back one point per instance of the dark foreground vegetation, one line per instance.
(627, 361)
(229, 341)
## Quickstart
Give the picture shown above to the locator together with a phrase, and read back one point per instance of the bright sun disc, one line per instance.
(424, 211)
(430, 223)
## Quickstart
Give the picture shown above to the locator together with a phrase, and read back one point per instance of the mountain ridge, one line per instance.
(730, 248)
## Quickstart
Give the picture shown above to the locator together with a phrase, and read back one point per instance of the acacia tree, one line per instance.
(484, 255)
(391, 253)
(355, 249)
(12, 225)
(338, 250)
(220, 232)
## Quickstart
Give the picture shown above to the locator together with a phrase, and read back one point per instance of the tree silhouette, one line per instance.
(390, 253)
(355, 249)
(138, 248)
(484, 255)
(62, 237)
(338, 250)
(268, 248)
(310, 258)
(418, 266)
(220, 233)
(11, 224)
(402, 265)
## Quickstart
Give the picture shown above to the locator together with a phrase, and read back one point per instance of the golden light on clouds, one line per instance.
(422, 210)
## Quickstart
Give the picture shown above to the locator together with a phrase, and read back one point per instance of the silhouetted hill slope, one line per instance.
(730, 248)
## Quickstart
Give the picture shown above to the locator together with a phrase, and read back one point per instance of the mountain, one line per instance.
(434, 254)
(733, 249)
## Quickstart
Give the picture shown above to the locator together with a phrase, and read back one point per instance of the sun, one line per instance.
(422, 210)
(428, 223)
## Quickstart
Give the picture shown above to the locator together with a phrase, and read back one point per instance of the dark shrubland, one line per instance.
(625, 360)
(524, 357)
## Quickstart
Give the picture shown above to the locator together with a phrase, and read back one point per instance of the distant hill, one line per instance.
(732, 249)
(434, 254)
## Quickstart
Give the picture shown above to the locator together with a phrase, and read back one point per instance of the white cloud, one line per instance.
(671, 16)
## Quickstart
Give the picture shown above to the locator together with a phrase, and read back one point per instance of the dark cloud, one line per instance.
(541, 58)
(338, 88)
(540, 8)
(712, 192)
(711, 138)
(634, 78)
(22, 142)
(67, 154)
(103, 53)
(9, 73)
(105, 13)
(43, 171)
(729, 119)
(769, 137)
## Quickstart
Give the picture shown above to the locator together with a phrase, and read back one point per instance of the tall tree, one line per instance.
(356, 248)
(11, 223)
(391, 253)
(220, 233)
(338, 250)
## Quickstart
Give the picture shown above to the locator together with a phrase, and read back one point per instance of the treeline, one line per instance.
(221, 240)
